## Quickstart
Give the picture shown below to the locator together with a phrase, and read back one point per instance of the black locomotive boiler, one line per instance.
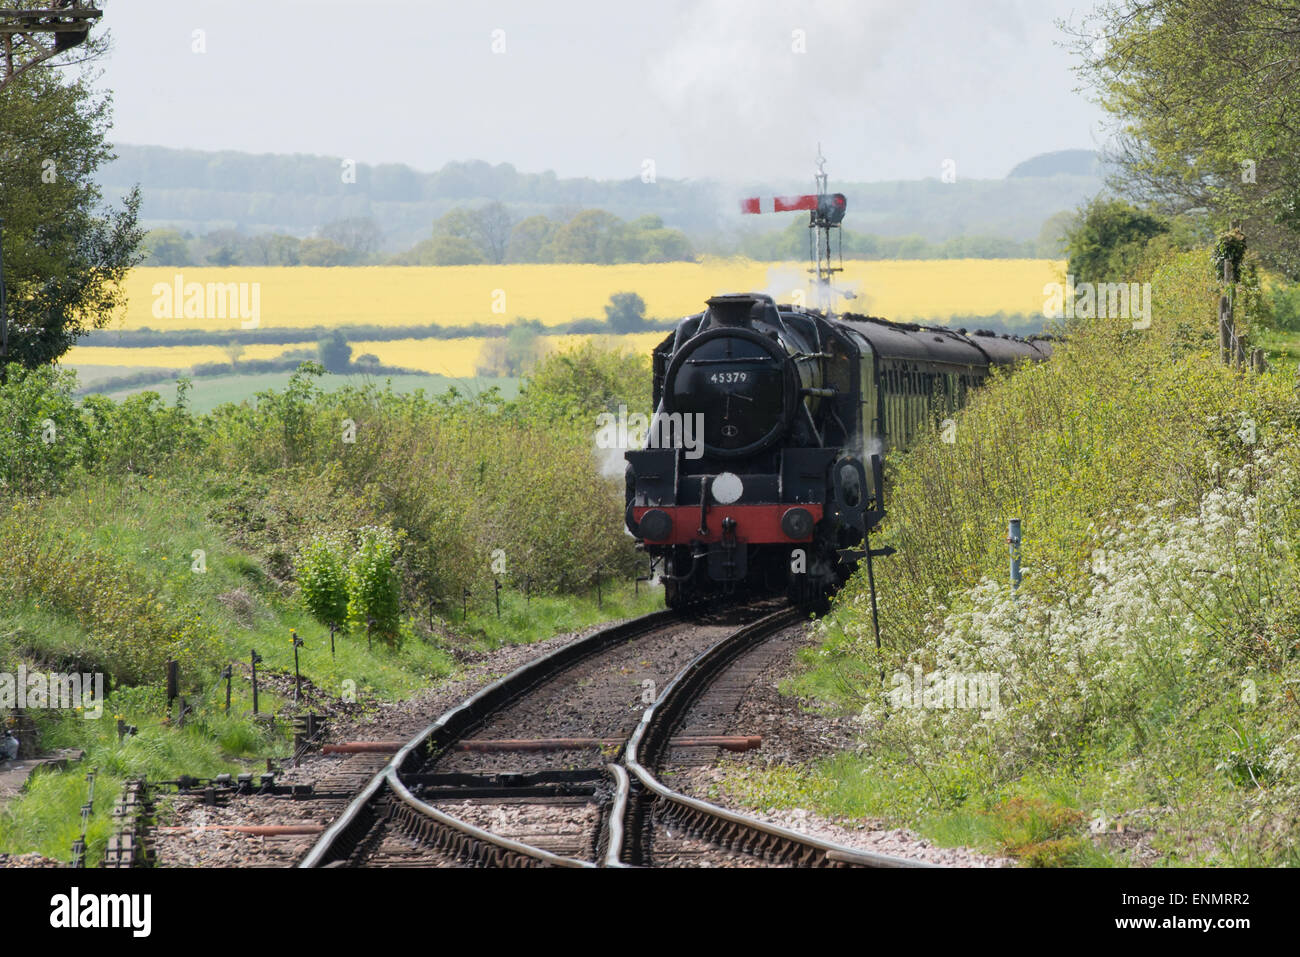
(796, 410)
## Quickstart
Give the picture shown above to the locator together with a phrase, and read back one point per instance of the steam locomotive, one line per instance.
(794, 411)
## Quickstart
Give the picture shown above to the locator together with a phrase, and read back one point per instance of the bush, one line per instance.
(1107, 242)
(323, 580)
(1157, 491)
(40, 429)
(1286, 307)
(625, 312)
(374, 591)
(133, 626)
(335, 353)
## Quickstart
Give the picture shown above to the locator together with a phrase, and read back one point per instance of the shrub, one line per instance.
(1157, 491)
(323, 580)
(374, 591)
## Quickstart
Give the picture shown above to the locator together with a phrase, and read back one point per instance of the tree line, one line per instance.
(464, 236)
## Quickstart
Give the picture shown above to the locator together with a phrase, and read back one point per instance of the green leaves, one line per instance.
(374, 589)
(65, 257)
(1205, 96)
(323, 580)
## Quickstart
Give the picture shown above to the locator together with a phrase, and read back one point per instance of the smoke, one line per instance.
(610, 461)
(747, 104)
(796, 287)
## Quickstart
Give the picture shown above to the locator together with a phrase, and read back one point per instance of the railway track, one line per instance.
(479, 787)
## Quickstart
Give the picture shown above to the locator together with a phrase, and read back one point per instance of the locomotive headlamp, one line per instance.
(655, 525)
(727, 488)
(797, 523)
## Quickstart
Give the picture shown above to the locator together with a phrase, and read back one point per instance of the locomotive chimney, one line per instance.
(736, 310)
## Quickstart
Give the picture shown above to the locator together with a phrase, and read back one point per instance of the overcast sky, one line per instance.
(704, 88)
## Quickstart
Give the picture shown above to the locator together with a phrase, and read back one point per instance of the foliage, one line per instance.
(576, 385)
(1156, 491)
(134, 625)
(45, 438)
(335, 353)
(1285, 307)
(596, 236)
(319, 252)
(625, 312)
(791, 244)
(374, 591)
(1203, 94)
(1107, 242)
(515, 355)
(64, 256)
(323, 580)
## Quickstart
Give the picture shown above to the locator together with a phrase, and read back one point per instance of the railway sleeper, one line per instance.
(458, 786)
(455, 843)
(738, 837)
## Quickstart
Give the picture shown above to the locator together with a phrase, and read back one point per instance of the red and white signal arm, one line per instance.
(828, 206)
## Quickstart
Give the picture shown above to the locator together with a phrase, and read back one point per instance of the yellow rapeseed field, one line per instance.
(460, 295)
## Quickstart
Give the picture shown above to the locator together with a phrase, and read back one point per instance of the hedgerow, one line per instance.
(1143, 663)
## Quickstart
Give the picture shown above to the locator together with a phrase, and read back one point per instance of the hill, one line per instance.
(199, 192)
(1059, 163)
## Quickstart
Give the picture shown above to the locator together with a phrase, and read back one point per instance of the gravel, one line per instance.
(796, 736)
(386, 721)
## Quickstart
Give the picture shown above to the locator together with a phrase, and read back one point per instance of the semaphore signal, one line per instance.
(825, 213)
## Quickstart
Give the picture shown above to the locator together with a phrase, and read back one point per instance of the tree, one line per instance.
(455, 223)
(625, 312)
(323, 252)
(491, 230)
(1107, 241)
(359, 235)
(221, 247)
(663, 246)
(486, 229)
(578, 383)
(530, 240)
(593, 236)
(166, 247)
(65, 256)
(234, 349)
(1205, 97)
(453, 251)
(335, 353)
(272, 249)
(1052, 235)
(516, 354)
